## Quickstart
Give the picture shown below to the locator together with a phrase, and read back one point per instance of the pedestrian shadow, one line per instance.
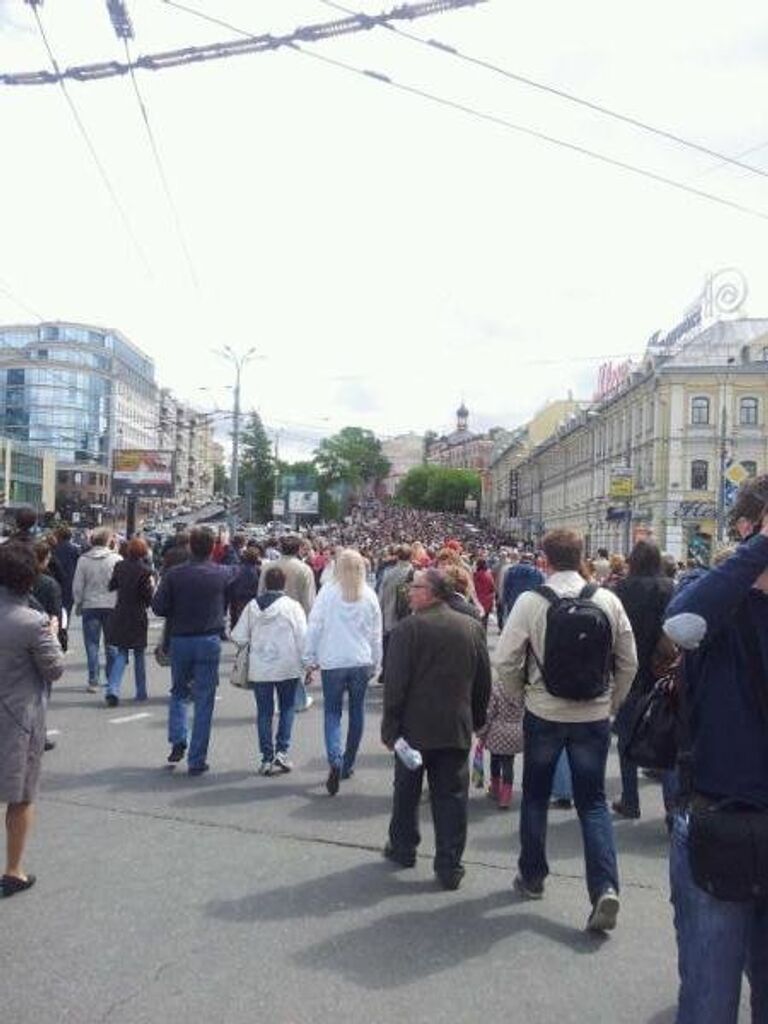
(372, 761)
(421, 943)
(362, 886)
(347, 806)
(260, 791)
(135, 779)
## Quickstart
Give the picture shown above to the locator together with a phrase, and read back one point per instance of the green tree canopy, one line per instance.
(257, 468)
(438, 488)
(353, 456)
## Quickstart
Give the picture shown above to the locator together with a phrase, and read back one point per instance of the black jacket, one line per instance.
(127, 625)
(645, 600)
(437, 680)
(192, 597)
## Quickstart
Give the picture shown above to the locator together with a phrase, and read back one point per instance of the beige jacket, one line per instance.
(299, 580)
(527, 623)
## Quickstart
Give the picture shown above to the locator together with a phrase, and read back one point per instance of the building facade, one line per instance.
(27, 477)
(660, 450)
(188, 433)
(403, 452)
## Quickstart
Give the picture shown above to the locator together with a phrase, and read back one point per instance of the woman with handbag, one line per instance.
(127, 626)
(645, 593)
(274, 627)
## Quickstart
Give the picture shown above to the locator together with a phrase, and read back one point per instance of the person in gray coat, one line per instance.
(30, 660)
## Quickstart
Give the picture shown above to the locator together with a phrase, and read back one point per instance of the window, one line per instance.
(699, 475)
(748, 412)
(750, 467)
(700, 412)
(765, 354)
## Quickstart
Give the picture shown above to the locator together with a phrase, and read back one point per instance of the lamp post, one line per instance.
(239, 362)
(722, 481)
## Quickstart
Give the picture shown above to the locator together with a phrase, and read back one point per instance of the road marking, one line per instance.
(130, 718)
(53, 732)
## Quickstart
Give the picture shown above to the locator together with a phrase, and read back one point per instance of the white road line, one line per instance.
(130, 718)
(53, 732)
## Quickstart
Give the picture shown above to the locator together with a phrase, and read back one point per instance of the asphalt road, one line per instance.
(236, 898)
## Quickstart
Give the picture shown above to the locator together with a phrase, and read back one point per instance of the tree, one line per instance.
(438, 488)
(429, 439)
(353, 457)
(220, 479)
(257, 468)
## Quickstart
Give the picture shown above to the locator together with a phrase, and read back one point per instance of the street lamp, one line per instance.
(239, 362)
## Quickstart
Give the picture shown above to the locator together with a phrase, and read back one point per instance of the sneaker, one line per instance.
(198, 769)
(91, 688)
(604, 912)
(405, 859)
(281, 762)
(347, 773)
(332, 782)
(112, 700)
(49, 745)
(306, 705)
(528, 890)
(624, 811)
(561, 804)
(265, 768)
(178, 750)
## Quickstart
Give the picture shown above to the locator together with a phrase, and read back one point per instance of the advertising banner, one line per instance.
(304, 503)
(143, 472)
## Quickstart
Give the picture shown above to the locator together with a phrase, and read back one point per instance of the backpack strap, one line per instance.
(548, 594)
(588, 592)
(553, 600)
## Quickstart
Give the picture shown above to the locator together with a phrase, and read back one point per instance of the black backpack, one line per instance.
(578, 646)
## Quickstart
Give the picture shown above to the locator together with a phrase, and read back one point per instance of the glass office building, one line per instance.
(76, 390)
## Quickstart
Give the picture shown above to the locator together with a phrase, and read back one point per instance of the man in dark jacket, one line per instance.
(65, 555)
(518, 579)
(437, 681)
(192, 597)
(722, 621)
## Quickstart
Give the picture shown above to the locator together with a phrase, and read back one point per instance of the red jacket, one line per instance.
(484, 588)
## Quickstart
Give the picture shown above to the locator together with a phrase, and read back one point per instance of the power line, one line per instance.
(161, 172)
(569, 97)
(216, 51)
(87, 140)
(19, 302)
(504, 123)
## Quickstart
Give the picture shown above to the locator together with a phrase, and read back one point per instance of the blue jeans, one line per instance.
(562, 785)
(717, 942)
(94, 624)
(194, 676)
(336, 681)
(265, 705)
(119, 665)
(300, 695)
(587, 746)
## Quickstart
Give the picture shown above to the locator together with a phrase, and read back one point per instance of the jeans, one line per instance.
(265, 706)
(587, 746)
(562, 785)
(336, 681)
(94, 624)
(503, 767)
(300, 696)
(194, 676)
(119, 665)
(448, 777)
(717, 941)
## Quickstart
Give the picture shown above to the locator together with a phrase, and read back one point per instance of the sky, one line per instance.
(386, 256)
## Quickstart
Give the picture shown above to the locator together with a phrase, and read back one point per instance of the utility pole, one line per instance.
(722, 484)
(239, 362)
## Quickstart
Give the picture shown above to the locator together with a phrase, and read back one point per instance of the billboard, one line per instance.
(303, 503)
(622, 482)
(144, 472)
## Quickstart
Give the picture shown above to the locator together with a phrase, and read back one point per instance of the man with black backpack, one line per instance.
(567, 648)
(719, 851)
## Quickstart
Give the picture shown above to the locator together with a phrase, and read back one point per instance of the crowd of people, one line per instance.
(403, 598)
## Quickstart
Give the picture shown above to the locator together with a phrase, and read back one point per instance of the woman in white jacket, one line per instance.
(275, 626)
(344, 639)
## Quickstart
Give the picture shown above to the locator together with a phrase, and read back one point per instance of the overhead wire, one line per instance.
(501, 122)
(634, 122)
(161, 172)
(19, 302)
(90, 145)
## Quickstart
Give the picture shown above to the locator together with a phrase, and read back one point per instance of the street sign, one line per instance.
(622, 482)
(278, 508)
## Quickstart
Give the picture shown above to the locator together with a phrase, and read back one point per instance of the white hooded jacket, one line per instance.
(276, 635)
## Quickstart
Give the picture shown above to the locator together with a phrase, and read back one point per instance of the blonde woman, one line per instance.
(344, 640)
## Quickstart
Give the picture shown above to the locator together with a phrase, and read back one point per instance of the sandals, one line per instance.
(10, 885)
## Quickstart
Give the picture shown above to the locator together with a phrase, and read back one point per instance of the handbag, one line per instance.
(651, 739)
(239, 675)
(162, 656)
